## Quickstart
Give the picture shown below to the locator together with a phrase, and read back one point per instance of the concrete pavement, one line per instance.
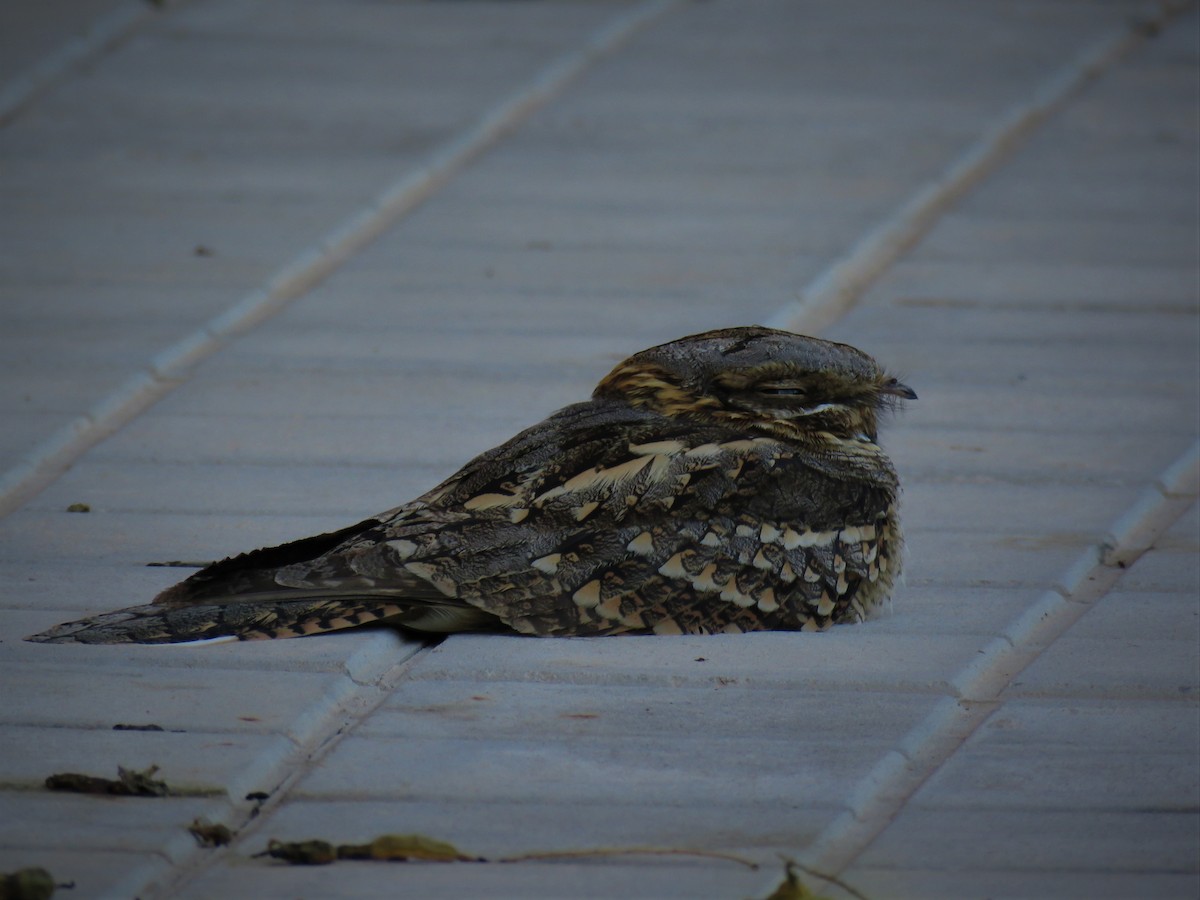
(271, 268)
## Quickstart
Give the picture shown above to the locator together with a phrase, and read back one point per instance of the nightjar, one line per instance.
(729, 481)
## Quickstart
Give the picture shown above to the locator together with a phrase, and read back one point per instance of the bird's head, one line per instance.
(786, 385)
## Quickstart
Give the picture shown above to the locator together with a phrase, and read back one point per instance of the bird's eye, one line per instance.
(779, 390)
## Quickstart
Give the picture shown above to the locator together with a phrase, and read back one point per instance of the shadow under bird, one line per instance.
(729, 481)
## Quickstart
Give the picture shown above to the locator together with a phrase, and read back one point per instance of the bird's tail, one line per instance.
(157, 624)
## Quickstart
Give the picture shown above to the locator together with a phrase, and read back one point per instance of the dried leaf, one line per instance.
(82, 784)
(140, 784)
(399, 847)
(128, 784)
(27, 884)
(302, 853)
(624, 851)
(209, 835)
(792, 888)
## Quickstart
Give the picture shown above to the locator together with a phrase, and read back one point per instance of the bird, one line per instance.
(725, 482)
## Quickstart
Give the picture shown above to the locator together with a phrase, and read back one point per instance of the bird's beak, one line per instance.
(896, 389)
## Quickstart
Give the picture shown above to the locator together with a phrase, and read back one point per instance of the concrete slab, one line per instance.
(100, 872)
(989, 456)
(843, 658)
(36, 752)
(71, 824)
(702, 169)
(1086, 749)
(729, 707)
(129, 691)
(1051, 842)
(1119, 684)
(136, 539)
(943, 884)
(509, 828)
(595, 880)
(226, 136)
(1023, 284)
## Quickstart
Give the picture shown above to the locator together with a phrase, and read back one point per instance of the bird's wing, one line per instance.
(242, 598)
(601, 519)
(605, 520)
(350, 576)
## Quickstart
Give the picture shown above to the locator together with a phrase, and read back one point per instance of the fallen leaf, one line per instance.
(399, 847)
(792, 888)
(27, 884)
(128, 783)
(402, 847)
(141, 784)
(209, 835)
(301, 853)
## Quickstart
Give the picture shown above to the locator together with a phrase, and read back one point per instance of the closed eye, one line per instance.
(779, 391)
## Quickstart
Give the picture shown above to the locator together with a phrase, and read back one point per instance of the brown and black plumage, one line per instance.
(729, 481)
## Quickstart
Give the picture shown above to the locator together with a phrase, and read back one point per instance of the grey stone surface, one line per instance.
(242, 140)
(702, 172)
(32, 32)
(1100, 730)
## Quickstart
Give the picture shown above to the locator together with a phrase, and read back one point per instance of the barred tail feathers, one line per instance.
(155, 624)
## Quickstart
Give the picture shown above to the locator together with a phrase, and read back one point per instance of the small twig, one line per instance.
(403, 847)
(831, 879)
(625, 851)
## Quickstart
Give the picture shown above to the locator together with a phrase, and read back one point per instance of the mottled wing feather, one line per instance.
(603, 519)
(678, 528)
(232, 580)
(157, 624)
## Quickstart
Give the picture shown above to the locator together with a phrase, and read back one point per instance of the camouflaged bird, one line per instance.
(725, 482)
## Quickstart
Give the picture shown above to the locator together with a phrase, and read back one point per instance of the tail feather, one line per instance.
(246, 598)
(244, 621)
(256, 620)
(255, 572)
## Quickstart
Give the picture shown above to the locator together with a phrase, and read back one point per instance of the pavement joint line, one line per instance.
(102, 35)
(1069, 583)
(1182, 477)
(838, 286)
(888, 786)
(1169, 497)
(275, 771)
(169, 368)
